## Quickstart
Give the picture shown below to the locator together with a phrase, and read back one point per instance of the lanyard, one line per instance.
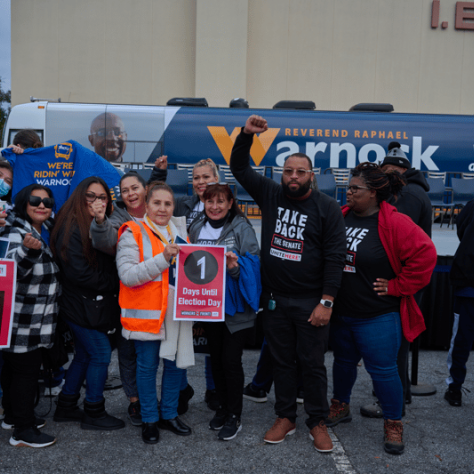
(158, 233)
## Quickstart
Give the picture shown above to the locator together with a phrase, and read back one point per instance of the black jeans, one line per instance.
(289, 335)
(226, 350)
(20, 382)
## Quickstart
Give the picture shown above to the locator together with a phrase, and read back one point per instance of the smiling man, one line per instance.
(108, 137)
(303, 252)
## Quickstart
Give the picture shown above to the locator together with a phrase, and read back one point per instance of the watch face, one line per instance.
(327, 304)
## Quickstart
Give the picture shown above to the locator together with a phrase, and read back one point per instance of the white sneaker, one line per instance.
(53, 391)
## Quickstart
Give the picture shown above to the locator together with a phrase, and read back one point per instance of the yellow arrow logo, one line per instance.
(260, 145)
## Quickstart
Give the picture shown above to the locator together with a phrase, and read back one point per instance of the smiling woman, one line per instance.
(36, 311)
(89, 304)
(146, 266)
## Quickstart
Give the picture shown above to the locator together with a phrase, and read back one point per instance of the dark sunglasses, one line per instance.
(35, 201)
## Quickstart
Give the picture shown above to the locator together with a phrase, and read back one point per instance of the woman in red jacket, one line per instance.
(389, 258)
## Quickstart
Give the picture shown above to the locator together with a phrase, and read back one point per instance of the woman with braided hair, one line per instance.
(389, 258)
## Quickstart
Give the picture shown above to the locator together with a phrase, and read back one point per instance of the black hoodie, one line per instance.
(413, 201)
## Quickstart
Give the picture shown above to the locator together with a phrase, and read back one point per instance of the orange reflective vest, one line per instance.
(144, 306)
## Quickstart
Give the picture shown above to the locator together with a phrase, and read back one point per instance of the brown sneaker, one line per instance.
(338, 413)
(322, 442)
(279, 431)
(393, 437)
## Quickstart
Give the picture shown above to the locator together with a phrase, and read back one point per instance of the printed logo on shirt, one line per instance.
(287, 242)
(63, 150)
(354, 236)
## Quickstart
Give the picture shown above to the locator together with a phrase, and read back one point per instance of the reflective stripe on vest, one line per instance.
(144, 306)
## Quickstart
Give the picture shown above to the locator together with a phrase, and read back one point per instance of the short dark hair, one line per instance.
(213, 190)
(385, 184)
(21, 200)
(301, 155)
(27, 138)
(132, 174)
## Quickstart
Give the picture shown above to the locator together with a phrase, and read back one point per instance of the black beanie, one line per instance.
(396, 156)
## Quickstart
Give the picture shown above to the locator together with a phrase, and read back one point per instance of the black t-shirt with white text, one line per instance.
(366, 261)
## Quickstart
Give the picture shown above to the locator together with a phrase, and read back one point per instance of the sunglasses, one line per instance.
(91, 197)
(299, 172)
(35, 201)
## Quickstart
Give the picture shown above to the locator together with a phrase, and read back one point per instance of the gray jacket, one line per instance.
(239, 237)
(104, 236)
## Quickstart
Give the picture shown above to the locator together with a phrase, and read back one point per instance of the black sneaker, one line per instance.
(230, 429)
(454, 397)
(255, 394)
(33, 438)
(217, 423)
(7, 423)
(212, 399)
(135, 413)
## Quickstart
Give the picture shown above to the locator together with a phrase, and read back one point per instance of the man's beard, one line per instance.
(300, 192)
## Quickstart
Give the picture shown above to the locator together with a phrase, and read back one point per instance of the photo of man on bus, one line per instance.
(108, 137)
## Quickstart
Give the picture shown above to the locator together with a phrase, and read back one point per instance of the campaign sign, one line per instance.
(200, 283)
(7, 300)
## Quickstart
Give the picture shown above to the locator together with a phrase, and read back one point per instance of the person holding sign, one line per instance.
(88, 304)
(224, 224)
(146, 254)
(35, 314)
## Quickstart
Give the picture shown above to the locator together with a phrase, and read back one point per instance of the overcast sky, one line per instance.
(5, 44)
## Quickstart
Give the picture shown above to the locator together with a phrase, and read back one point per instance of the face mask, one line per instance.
(4, 188)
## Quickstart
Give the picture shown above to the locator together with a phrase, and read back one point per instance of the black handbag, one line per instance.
(101, 312)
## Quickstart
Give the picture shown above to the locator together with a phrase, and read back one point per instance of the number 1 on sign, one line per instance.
(202, 263)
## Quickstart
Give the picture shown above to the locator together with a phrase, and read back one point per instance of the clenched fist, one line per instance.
(255, 124)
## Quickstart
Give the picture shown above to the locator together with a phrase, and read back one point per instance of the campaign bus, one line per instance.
(139, 134)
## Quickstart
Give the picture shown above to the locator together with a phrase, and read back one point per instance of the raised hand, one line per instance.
(99, 207)
(161, 162)
(255, 124)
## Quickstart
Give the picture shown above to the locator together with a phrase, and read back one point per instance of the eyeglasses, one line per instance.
(354, 189)
(35, 201)
(104, 132)
(299, 172)
(91, 197)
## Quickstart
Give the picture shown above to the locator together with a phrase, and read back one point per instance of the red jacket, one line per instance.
(412, 256)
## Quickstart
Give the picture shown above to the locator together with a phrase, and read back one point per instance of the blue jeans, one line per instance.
(376, 340)
(173, 381)
(90, 363)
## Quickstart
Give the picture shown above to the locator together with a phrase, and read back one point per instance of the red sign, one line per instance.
(200, 283)
(7, 300)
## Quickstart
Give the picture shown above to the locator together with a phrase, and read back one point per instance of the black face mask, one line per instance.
(300, 192)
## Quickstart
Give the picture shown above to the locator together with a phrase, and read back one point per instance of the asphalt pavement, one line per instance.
(439, 438)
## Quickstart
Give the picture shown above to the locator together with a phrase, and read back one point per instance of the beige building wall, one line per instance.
(336, 53)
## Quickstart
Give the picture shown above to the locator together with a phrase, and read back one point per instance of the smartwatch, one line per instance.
(327, 303)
